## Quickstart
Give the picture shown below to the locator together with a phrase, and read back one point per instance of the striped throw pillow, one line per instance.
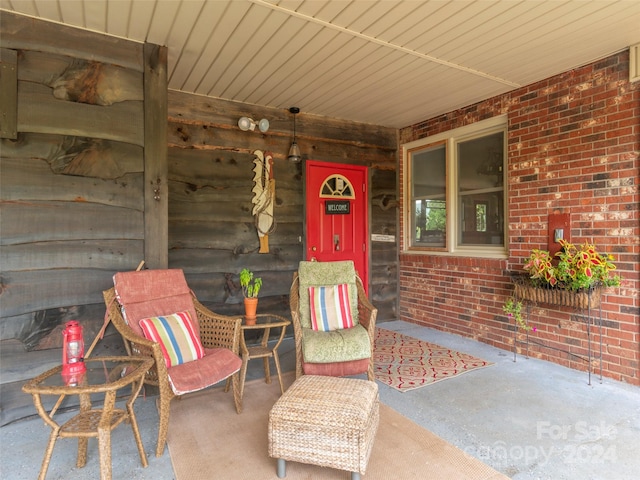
(176, 336)
(330, 308)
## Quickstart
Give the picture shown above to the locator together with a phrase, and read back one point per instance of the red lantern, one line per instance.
(73, 352)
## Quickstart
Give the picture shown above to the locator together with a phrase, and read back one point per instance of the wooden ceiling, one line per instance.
(389, 63)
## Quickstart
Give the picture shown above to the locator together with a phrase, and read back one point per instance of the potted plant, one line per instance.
(250, 288)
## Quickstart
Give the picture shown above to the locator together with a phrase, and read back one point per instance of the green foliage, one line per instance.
(513, 309)
(436, 217)
(540, 267)
(577, 267)
(250, 285)
(582, 267)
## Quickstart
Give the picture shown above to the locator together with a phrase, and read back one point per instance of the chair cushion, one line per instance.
(335, 346)
(315, 274)
(330, 308)
(217, 364)
(153, 293)
(176, 336)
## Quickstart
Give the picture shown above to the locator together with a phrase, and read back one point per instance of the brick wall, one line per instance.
(573, 147)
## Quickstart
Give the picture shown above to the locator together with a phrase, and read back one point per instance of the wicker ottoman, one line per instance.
(326, 421)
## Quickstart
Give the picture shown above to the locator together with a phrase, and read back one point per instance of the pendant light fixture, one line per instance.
(294, 151)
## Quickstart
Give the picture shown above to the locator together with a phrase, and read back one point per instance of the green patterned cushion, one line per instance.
(316, 274)
(336, 346)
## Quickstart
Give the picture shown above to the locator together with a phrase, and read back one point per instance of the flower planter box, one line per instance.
(583, 299)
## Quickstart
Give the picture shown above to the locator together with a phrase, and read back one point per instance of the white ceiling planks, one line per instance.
(480, 41)
(95, 15)
(113, 18)
(390, 63)
(272, 86)
(181, 32)
(139, 18)
(72, 13)
(314, 57)
(201, 33)
(163, 22)
(50, 10)
(276, 61)
(239, 64)
(367, 21)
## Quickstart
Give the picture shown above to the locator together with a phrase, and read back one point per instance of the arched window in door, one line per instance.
(337, 186)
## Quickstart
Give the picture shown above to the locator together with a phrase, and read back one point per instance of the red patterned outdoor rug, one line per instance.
(406, 363)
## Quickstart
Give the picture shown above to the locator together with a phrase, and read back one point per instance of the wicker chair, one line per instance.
(328, 273)
(219, 335)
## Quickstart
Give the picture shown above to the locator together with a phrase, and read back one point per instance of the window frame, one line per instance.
(410, 211)
(451, 139)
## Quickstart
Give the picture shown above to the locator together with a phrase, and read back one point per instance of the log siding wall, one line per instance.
(573, 146)
(211, 229)
(71, 182)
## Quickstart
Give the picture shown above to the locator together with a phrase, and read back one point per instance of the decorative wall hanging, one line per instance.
(264, 196)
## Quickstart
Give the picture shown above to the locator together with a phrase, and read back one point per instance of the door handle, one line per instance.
(336, 242)
(313, 249)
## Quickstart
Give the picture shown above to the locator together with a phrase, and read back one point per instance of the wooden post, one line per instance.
(156, 190)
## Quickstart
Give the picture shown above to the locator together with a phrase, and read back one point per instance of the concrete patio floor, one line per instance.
(528, 419)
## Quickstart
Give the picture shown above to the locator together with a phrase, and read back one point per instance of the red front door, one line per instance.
(337, 215)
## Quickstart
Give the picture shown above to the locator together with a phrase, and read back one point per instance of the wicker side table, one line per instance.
(325, 421)
(265, 322)
(104, 375)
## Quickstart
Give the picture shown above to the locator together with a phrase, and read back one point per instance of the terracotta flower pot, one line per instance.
(250, 308)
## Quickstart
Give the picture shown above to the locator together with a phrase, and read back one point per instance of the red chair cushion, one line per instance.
(336, 369)
(153, 293)
(217, 364)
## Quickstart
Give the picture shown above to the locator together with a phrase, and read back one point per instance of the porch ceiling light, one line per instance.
(246, 123)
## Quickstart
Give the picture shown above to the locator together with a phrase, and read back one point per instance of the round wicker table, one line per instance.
(104, 375)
